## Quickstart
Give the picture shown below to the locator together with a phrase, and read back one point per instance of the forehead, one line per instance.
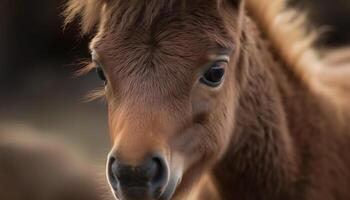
(175, 30)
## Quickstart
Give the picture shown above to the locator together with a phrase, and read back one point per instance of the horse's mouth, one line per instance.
(143, 193)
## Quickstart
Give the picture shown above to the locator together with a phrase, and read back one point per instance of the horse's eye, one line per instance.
(214, 75)
(100, 73)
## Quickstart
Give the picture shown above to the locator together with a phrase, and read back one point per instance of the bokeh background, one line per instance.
(37, 87)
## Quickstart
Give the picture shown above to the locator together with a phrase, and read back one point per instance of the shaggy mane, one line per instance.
(285, 27)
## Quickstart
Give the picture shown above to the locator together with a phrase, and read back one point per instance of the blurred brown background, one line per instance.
(36, 57)
(38, 90)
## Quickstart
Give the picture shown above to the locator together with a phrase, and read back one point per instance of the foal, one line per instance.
(220, 97)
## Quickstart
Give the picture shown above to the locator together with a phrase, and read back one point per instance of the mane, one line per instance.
(286, 28)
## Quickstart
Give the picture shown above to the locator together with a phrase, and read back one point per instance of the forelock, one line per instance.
(127, 13)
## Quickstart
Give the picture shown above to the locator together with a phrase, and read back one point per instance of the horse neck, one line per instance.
(261, 161)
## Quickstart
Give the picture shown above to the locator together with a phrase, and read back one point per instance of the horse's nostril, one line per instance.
(160, 174)
(150, 177)
(111, 169)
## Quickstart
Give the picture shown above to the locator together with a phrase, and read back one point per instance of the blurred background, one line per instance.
(38, 89)
(39, 92)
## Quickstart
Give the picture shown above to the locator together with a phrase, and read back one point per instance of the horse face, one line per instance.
(171, 97)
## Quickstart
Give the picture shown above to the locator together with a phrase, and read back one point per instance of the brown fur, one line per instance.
(274, 130)
(34, 168)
